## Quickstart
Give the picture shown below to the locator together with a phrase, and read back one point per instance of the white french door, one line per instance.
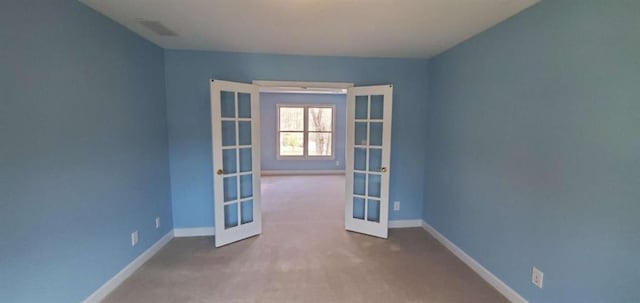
(235, 125)
(368, 152)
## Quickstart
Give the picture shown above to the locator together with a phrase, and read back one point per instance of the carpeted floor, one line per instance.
(305, 255)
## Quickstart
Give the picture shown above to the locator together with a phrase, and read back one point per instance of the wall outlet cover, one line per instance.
(537, 277)
(134, 238)
(396, 205)
(157, 222)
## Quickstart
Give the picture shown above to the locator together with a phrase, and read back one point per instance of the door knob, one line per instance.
(220, 172)
(383, 169)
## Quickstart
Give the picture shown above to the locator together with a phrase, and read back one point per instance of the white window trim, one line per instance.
(306, 132)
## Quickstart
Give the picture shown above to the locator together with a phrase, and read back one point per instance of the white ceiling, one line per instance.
(363, 28)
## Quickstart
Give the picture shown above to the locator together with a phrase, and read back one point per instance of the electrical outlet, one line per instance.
(396, 205)
(157, 222)
(337, 163)
(536, 277)
(134, 238)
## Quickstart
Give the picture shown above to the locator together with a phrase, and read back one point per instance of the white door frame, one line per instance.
(380, 230)
(302, 87)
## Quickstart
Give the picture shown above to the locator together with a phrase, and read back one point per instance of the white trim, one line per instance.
(128, 270)
(405, 223)
(488, 276)
(301, 172)
(194, 232)
(300, 86)
(308, 91)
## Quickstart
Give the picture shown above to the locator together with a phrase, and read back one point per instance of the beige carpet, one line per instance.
(305, 255)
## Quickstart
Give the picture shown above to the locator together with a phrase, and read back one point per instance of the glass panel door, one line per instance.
(236, 161)
(368, 154)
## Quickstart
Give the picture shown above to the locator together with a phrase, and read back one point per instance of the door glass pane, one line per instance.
(375, 159)
(358, 208)
(375, 132)
(361, 107)
(359, 183)
(361, 133)
(227, 104)
(244, 105)
(244, 133)
(230, 190)
(319, 144)
(360, 159)
(291, 118)
(246, 211)
(230, 215)
(246, 186)
(291, 144)
(228, 133)
(377, 106)
(229, 160)
(373, 210)
(245, 160)
(374, 185)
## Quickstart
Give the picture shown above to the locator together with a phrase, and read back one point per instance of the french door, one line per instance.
(235, 125)
(368, 152)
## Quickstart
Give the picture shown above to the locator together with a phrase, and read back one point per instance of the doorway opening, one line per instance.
(303, 137)
(292, 128)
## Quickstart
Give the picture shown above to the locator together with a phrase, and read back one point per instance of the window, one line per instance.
(305, 131)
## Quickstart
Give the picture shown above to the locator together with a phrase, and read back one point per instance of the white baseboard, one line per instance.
(210, 231)
(300, 172)
(193, 232)
(405, 223)
(116, 280)
(488, 276)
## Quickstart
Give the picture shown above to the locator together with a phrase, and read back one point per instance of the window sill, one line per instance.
(307, 158)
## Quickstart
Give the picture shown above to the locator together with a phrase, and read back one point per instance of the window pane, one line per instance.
(245, 160)
(246, 208)
(320, 119)
(227, 104)
(291, 144)
(228, 133)
(230, 188)
(319, 144)
(358, 208)
(230, 215)
(292, 119)
(377, 107)
(362, 107)
(229, 161)
(244, 133)
(373, 210)
(244, 105)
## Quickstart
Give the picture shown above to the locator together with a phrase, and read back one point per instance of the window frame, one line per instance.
(305, 132)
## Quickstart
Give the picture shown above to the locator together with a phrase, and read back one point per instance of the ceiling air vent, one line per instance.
(158, 28)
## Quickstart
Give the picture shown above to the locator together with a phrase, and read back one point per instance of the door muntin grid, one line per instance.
(237, 173)
(367, 157)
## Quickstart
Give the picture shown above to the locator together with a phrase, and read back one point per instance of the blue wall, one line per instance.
(269, 130)
(83, 152)
(188, 74)
(533, 150)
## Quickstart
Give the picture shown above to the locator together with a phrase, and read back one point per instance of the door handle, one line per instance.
(383, 169)
(220, 172)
